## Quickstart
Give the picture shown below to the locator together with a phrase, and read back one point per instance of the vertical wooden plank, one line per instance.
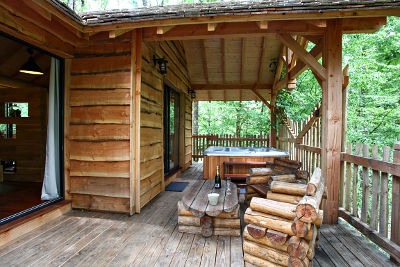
(332, 117)
(395, 225)
(136, 80)
(384, 194)
(67, 116)
(365, 187)
(375, 192)
(348, 178)
(355, 181)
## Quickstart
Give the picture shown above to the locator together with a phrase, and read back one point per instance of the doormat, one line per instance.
(176, 186)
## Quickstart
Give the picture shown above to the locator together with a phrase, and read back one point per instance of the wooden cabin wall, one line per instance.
(99, 127)
(28, 149)
(152, 104)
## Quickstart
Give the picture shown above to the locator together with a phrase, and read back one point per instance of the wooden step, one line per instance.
(260, 188)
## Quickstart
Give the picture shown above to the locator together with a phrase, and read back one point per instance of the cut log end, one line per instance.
(300, 228)
(256, 231)
(277, 237)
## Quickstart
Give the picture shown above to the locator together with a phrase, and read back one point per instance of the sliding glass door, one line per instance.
(171, 130)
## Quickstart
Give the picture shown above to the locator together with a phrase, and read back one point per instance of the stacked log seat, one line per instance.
(225, 223)
(284, 231)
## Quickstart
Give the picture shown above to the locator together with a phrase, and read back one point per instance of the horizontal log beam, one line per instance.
(230, 86)
(243, 29)
(378, 165)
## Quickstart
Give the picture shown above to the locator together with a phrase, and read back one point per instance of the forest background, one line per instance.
(373, 106)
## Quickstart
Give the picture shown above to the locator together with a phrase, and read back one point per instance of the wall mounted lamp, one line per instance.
(162, 64)
(30, 67)
(192, 93)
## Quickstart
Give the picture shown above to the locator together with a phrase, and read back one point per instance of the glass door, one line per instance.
(171, 130)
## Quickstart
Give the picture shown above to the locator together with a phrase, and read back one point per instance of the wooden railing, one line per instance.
(302, 140)
(201, 142)
(368, 185)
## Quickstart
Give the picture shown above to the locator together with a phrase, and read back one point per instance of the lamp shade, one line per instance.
(30, 67)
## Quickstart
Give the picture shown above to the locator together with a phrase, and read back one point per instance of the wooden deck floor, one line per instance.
(151, 238)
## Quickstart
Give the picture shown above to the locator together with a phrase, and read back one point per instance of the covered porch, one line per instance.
(151, 238)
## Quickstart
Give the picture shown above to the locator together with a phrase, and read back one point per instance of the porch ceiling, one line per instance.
(229, 69)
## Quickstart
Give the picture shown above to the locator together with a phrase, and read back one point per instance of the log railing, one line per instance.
(370, 194)
(302, 140)
(201, 142)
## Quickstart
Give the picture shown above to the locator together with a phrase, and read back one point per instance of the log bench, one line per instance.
(197, 216)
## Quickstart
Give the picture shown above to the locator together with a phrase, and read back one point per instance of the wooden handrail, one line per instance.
(378, 165)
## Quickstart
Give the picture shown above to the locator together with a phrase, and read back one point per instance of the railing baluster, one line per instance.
(395, 223)
(355, 181)
(365, 187)
(348, 178)
(375, 192)
(384, 203)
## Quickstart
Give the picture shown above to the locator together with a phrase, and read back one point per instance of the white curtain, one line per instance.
(51, 182)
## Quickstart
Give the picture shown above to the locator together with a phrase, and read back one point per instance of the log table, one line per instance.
(197, 216)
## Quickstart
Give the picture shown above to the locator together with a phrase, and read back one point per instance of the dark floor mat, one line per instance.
(176, 186)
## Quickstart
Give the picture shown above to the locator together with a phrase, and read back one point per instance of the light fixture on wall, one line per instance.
(162, 64)
(192, 93)
(30, 67)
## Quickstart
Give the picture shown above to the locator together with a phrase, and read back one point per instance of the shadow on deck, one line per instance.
(151, 238)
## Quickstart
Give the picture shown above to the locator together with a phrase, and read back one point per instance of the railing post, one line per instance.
(395, 225)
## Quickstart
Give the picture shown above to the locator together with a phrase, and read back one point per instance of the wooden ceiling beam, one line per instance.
(303, 55)
(164, 29)
(226, 30)
(211, 27)
(199, 87)
(243, 57)
(263, 48)
(223, 61)
(116, 33)
(263, 25)
(204, 60)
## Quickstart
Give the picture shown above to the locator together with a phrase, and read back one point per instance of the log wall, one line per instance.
(28, 149)
(99, 101)
(99, 132)
(152, 108)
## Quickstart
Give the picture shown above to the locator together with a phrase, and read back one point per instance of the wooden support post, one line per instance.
(332, 117)
(136, 80)
(395, 224)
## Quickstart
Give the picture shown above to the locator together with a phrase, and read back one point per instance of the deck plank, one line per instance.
(209, 252)
(196, 251)
(328, 232)
(182, 252)
(151, 238)
(223, 251)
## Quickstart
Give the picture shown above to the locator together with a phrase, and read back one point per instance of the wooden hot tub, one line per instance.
(216, 155)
